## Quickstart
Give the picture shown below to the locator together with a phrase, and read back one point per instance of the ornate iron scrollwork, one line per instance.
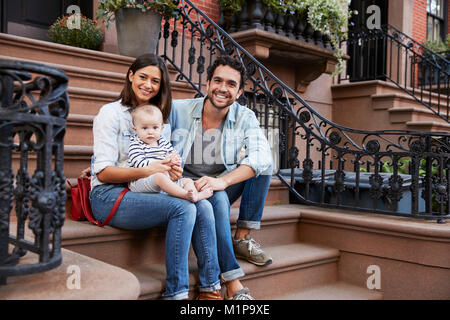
(33, 112)
(306, 137)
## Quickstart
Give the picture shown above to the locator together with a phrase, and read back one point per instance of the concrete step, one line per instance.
(333, 291)
(130, 248)
(76, 159)
(429, 126)
(415, 114)
(294, 266)
(97, 281)
(44, 51)
(82, 77)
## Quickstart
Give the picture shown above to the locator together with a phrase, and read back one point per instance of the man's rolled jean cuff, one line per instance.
(212, 288)
(249, 224)
(178, 296)
(232, 275)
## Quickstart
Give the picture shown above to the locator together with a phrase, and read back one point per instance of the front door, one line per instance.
(32, 18)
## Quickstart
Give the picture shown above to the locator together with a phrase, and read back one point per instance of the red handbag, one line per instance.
(81, 205)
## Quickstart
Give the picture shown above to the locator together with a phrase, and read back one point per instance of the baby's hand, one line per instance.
(175, 158)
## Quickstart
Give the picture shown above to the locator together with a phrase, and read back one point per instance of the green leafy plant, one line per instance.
(231, 6)
(403, 168)
(327, 16)
(106, 8)
(86, 36)
(438, 46)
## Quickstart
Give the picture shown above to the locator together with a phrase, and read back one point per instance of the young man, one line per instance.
(223, 147)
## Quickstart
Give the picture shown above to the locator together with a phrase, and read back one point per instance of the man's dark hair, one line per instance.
(226, 60)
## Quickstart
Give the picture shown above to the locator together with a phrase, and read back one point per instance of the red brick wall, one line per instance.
(209, 7)
(420, 20)
(448, 17)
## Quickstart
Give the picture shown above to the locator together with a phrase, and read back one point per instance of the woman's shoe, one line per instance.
(215, 295)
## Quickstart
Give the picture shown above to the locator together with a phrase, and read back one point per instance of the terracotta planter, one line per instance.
(137, 31)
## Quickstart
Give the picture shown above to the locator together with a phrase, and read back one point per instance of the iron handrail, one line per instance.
(301, 126)
(388, 53)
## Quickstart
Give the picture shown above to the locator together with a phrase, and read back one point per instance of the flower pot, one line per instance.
(137, 31)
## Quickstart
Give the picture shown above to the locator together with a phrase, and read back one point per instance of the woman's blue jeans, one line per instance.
(184, 220)
(253, 192)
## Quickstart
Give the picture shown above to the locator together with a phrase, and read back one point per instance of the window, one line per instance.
(436, 10)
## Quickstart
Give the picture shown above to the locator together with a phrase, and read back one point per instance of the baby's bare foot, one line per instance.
(195, 196)
(191, 196)
(205, 194)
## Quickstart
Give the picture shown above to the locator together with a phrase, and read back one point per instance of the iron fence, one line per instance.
(33, 110)
(389, 54)
(321, 162)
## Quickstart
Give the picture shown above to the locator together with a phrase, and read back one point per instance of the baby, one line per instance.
(150, 145)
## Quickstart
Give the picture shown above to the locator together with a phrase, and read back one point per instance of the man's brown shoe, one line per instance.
(215, 295)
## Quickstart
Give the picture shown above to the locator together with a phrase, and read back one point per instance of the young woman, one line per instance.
(147, 81)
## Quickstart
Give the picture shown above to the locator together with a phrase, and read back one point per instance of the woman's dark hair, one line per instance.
(163, 100)
(226, 60)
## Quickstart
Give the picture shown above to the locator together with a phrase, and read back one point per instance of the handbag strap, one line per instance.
(114, 208)
(87, 211)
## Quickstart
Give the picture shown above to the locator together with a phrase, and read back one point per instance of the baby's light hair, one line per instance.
(149, 109)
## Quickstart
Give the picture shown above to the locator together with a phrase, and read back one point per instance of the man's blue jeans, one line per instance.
(254, 192)
(184, 220)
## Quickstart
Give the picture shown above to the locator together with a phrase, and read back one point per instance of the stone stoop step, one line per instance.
(333, 291)
(125, 248)
(97, 281)
(295, 266)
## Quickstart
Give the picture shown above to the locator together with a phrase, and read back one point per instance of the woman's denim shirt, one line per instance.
(241, 129)
(112, 130)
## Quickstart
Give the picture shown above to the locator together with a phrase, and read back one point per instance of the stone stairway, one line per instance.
(299, 267)
(308, 263)
(383, 103)
(95, 78)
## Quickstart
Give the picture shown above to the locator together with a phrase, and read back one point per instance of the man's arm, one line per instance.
(241, 173)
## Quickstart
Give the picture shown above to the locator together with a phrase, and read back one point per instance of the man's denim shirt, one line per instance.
(241, 128)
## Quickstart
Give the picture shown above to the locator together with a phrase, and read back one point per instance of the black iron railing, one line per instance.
(256, 15)
(320, 161)
(389, 54)
(33, 110)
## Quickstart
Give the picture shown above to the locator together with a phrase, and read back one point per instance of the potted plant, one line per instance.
(84, 35)
(433, 49)
(138, 22)
(330, 17)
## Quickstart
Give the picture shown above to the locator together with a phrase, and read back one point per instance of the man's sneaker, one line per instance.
(243, 294)
(250, 250)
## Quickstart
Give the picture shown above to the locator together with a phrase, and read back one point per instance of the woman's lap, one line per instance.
(138, 210)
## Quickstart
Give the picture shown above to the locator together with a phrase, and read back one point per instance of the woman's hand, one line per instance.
(85, 173)
(162, 166)
(121, 175)
(176, 172)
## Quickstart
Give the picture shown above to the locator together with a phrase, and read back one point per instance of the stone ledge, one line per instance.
(98, 281)
(408, 240)
(310, 60)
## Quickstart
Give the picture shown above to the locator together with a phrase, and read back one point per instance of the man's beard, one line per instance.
(219, 107)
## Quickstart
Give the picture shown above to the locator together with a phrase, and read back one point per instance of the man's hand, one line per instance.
(217, 184)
